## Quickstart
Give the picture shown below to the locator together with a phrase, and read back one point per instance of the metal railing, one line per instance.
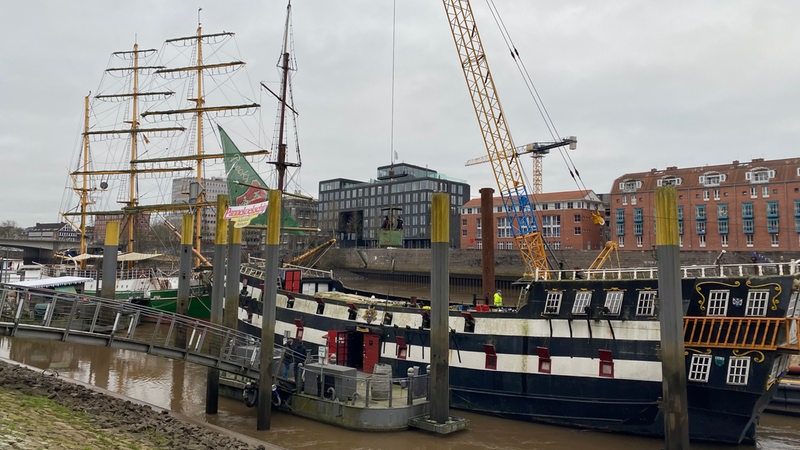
(695, 271)
(41, 313)
(753, 333)
(377, 390)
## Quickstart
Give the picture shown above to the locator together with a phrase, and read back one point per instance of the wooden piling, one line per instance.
(440, 296)
(268, 311)
(110, 248)
(217, 299)
(673, 365)
(184, 276)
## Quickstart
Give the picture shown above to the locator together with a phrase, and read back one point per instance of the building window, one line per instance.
(765, 191)
(639, 241)
(722, 211)
(772, 226)
(700, 212)
(576, 218)
(705, 195)
(646, 303)
(700, 368)
(747, 226)
(552, 304)
(701, 239)
(503, 227)
(613, 302)
(620, 215)
(630, 185)
(772, 209)
(738, 370)
(722, 225)
(760, 175)
(624, 200)
(773, 238)
(757, 303)
(718, 303)
(551, 226)
(638, 229)
(620, 229)
(669, 181)
(577, 231)
(748, 239)
(464, 233)
(701, 228)
(753, 192)
(582, 301)
(723, 240)
(712, 179)
(621, 239)
(716, 194)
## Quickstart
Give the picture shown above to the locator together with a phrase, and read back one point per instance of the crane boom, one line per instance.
(499, 147)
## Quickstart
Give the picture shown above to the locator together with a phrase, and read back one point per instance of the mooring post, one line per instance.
(184, 276)
(487, 247)
(440, 299)
(673, 365)
(232, 286)
(217, 299)
(268, 311)
(109, 287)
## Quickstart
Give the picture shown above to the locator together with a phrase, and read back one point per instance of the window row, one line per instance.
(738, 369)
(612, 304)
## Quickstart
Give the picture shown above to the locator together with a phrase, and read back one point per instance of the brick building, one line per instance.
(751, 206)
(565, 220)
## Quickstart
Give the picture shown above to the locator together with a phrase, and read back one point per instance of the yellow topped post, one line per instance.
(673, 363)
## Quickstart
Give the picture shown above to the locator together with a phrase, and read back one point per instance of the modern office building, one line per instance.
(564, 218)
(354, 212)
(740, 206)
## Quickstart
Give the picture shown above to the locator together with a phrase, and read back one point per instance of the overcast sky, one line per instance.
(641, 84)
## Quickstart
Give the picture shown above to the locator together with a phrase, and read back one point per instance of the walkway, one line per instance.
(69, 317)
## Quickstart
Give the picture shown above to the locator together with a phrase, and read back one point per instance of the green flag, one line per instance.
(239, 170)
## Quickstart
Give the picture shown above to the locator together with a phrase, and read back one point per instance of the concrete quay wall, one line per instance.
(508, 263)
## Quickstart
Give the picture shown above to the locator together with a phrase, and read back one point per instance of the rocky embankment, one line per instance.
(40, 410)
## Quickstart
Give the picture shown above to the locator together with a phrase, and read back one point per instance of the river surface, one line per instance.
(180, 387)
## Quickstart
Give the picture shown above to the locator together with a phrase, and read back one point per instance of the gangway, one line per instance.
(83, 319)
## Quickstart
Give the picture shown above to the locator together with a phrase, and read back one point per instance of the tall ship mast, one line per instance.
(87, 179)
(174, 102)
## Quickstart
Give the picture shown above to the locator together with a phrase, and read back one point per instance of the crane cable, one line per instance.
(534, 93)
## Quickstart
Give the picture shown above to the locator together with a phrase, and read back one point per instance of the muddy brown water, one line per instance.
(180, 386)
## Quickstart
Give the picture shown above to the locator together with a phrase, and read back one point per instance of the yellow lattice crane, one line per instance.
(499, 147)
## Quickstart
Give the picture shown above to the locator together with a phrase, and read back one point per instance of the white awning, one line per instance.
(51, 282)
(134, 256)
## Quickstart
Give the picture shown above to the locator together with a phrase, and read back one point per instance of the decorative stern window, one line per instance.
(738, 370)
(700, 368)
(614, 302)
(757, 303)
(646, 303)
(583, 300)
(552, 304)
(718, 302)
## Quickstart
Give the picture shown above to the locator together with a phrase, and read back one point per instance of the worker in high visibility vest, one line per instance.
(498, 299)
